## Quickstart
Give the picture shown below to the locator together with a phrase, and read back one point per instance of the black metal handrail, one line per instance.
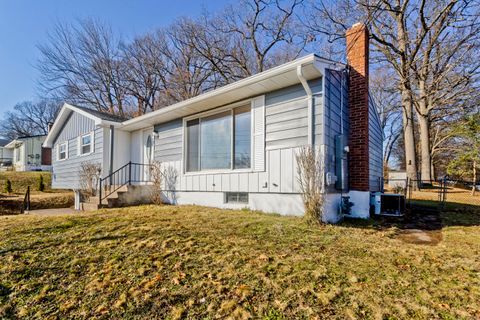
(26, 201)
(126, 175)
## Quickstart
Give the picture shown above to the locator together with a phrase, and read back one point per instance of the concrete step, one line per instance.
(125, 195)
(87, 206)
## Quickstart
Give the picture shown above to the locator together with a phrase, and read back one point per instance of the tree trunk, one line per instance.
(432, 169)
(409, 138)
(426, 167)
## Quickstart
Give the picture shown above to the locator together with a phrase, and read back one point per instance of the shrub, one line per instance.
(310, 172)
(89, 175)
(41, 184)
(399, 189)
(156, 176)
(8, 186)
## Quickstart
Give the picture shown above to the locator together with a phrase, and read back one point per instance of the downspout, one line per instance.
(110, 170)
(308, 90)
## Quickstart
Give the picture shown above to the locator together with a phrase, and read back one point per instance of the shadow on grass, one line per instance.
(4, 291)
(41, 245)
(424, 215)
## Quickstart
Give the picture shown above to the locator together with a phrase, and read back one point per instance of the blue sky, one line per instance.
(25, 24)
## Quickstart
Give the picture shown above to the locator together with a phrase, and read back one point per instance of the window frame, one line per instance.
(81, 145)
(65, 143)
(230, 108)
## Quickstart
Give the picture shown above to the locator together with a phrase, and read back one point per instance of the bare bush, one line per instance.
(310, 171)
(156, 176)
(89, 174)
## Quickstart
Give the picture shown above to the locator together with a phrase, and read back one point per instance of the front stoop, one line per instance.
(124, 196)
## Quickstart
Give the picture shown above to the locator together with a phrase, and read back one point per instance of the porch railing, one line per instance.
(126, 175)
(25, 206)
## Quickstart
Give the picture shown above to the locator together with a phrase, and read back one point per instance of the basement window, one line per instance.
(236, 197)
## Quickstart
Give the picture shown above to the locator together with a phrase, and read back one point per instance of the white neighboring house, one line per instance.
(28, 154)
(235, 146)
(6, 155)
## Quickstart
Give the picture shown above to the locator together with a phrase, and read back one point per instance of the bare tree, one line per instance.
(81, 64)
(445, 68)
(264, 28)
(385, 94)
(388, 24)
(29, 118)
(246, 38)
(188, 72)
(426, 43)
(144, 70)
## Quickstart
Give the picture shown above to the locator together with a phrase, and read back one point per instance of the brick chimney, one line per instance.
(357, 59)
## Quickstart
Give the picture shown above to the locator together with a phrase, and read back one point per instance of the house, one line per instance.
(235, 146)
(397, 179)
(28, 154)
(6, 154)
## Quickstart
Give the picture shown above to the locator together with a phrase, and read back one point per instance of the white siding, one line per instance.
(283, 119)
(258, 137)
(66, 172)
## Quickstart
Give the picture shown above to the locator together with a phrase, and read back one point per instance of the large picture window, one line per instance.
(219, 141)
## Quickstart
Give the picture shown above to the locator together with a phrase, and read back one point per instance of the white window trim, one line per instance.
(66, 151)
(212, 112)
(92, 144)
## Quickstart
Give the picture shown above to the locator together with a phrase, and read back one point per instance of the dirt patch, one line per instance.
(421, 226)
(418, 236)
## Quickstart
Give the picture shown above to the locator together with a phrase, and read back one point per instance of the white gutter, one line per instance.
(311, 58)
(308, 90)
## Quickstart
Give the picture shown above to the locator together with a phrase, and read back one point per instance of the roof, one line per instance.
(16, 142)
(103, 115)
(312, 67)
(100, 118)
(32, 136)
(309, 67)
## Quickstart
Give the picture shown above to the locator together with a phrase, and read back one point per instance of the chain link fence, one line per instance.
(441, 193)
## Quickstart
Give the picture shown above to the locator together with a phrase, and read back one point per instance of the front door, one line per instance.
(147, 153)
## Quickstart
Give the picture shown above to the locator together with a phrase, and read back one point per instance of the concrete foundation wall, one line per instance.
(137, 194)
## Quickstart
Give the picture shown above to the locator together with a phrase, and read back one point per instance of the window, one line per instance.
(86, 144)
(236, 197)
(62, 151)
(220, 141)
(242, 122)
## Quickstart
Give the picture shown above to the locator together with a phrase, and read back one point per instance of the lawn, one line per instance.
(21, 180)
(203, 263)
(10, 203)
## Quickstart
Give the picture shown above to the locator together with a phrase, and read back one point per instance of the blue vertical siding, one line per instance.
(375, 148)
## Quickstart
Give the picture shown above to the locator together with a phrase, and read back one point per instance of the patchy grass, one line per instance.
(10, 204)
(21, 180)
(195, 262)
(48, 199)
(454, 196)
